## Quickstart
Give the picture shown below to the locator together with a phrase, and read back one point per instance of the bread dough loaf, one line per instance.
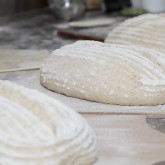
(146, 31)
(115, 74)
(38, 130)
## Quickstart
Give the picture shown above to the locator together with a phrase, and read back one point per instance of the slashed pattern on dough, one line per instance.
(145, 30)
(107, 73)
(36, 129)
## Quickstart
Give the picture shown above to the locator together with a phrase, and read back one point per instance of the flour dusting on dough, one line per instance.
(107, 73)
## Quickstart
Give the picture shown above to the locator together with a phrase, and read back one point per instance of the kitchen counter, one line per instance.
(126, 135)
(40, 32)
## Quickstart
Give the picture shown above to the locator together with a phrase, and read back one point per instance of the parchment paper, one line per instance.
(16, 60)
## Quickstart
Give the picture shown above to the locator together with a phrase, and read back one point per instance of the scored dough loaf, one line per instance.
(38, 130)
(147, 31)
(106, 73)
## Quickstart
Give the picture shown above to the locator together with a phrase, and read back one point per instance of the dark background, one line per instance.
(8, 7)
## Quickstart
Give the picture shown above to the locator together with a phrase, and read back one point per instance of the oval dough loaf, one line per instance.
(115, 74)
(147, 31)
(38, 130)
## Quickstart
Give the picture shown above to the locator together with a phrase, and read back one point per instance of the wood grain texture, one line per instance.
(126, 140)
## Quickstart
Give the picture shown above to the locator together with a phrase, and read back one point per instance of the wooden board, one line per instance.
(126, 140)
(14, 60)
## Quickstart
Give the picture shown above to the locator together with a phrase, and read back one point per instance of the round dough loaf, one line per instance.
(115, 74)
(38, 130)
(147, 31)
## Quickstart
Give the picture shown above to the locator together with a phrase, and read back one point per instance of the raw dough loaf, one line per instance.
(146, 30)
(38, 130)
(115, 74)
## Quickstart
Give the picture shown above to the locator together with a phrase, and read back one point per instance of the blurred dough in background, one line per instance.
(147, 31)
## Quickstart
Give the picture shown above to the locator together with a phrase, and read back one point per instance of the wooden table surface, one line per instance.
(125, 135)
